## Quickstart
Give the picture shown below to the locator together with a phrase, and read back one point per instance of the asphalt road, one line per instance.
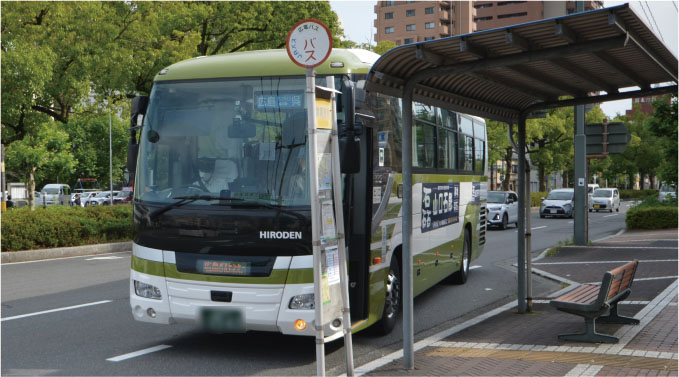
(72, 317)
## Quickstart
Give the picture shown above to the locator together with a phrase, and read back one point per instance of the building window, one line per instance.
(429, 38)
(503, 3)
(487, 5)
(429, 25)
(410, 12)
(429, 10)
(510, 15)
(388, 3)
(487, 18)
(388, 30)
(408, 40)
(389, 15)
(410, 27)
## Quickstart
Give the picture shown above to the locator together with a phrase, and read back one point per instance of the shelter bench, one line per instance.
(592, 301)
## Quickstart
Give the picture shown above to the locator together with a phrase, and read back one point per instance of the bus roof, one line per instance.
(264, 63)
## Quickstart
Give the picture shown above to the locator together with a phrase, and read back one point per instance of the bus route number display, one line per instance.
(440, 205)
(309, 43)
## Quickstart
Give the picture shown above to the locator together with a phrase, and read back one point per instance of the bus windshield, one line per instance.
(242, 138)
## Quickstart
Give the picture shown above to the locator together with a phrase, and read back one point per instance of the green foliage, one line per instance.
(58, 226)
(653, 214)
(638, 194)
(536, 198)
(664, 126)
(383, 47)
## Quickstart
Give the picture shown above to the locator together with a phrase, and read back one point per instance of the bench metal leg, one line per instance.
(613, 317)
(590, 335)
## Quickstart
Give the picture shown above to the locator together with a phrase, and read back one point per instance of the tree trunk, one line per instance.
(508, 169)
(31, 187)
(564, 177)
(541, 177)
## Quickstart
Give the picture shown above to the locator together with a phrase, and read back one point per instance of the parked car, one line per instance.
(102, 198)
(605, 199)
(503, 208)
(558, 203)
(56, 193)
(84, 197)
(123, 197)
(667, 191)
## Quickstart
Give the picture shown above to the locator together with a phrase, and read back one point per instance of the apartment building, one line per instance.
(404, 22)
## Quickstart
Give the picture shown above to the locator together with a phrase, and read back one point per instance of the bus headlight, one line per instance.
(305, 301)
(146, 290)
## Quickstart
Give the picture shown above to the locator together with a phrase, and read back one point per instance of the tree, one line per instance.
(664, 126)
(499, 148)
(46, 150)
(383, 47)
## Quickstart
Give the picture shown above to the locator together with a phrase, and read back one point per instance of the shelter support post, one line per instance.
(528, 234)
(580, 226)
(523, 202)
(406, 251)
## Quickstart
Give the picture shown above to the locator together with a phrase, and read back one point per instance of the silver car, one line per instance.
(503, 208)
(605, 199)
(666, 192)
(558, 203)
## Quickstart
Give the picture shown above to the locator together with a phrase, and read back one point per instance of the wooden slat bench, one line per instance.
(592, 301)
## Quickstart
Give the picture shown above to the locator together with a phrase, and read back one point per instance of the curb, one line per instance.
(64, 252)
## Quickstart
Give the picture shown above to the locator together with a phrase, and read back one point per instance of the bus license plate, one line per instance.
(223, 320)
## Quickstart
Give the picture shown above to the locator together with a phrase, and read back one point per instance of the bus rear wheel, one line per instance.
(392, 299)
(460, 276)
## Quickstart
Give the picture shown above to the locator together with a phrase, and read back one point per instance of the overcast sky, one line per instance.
(661, 17)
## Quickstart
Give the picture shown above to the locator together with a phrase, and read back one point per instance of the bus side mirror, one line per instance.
(139, 105)
(350, 154)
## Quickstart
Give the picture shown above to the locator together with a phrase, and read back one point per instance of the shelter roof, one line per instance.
(504, 72)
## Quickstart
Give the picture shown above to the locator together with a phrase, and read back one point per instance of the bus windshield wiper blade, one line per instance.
(184, 200)
(269, 206)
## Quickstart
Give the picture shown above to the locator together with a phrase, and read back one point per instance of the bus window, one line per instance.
(466, 126)
(423, 156)
(447, 149)
(450, 119)
(465, 152)
(478, 155)
(479, 130)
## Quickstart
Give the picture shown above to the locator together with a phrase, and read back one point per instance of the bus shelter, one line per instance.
(506, 74)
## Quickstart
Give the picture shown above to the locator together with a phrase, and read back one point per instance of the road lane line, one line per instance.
(615, 214)
(539, 227)
(474, 267)
(55, 310)
(138, 353)
(104, 258)
(58, 259)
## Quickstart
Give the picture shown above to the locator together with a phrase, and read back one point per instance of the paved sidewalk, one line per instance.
(512, 344)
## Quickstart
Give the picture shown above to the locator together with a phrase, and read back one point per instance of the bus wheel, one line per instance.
(392, 299)
(460, 277)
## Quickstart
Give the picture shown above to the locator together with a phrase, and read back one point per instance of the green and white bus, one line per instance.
(221, 203)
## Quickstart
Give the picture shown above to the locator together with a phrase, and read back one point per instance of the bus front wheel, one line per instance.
(460, 276)
(392, 299)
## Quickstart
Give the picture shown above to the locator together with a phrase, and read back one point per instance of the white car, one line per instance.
(667, 191)
(102, 198)
(503, 208)
(558, 203)
(605, 199)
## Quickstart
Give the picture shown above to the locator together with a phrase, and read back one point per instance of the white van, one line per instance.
(56, 193)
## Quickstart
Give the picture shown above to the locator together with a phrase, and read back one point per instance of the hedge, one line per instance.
(536, 198)
(638, 194)
(57, 226)
(653, 214)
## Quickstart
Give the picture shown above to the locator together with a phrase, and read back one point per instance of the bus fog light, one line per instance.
(305, 301)
(146, 290)
(337, 322)
(300, 324)
(151, 313)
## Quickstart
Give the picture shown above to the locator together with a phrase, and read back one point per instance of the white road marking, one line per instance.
(104, 258)
(55, 310)
(139, 353)
(489, 289)
(571, 222)
(58, 259)
(474, 267)
(630, 247)
(615, 214)
(539, 227)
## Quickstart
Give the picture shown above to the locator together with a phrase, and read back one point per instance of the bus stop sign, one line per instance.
(309, 43)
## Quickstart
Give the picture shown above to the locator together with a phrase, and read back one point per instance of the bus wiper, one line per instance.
(185, 200)
(278, 208)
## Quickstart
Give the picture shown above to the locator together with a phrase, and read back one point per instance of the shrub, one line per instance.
(638, 194)
(58, 226)
(652, 214)
(535, 198)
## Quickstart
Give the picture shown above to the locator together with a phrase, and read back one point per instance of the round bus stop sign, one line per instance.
(309, 43)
